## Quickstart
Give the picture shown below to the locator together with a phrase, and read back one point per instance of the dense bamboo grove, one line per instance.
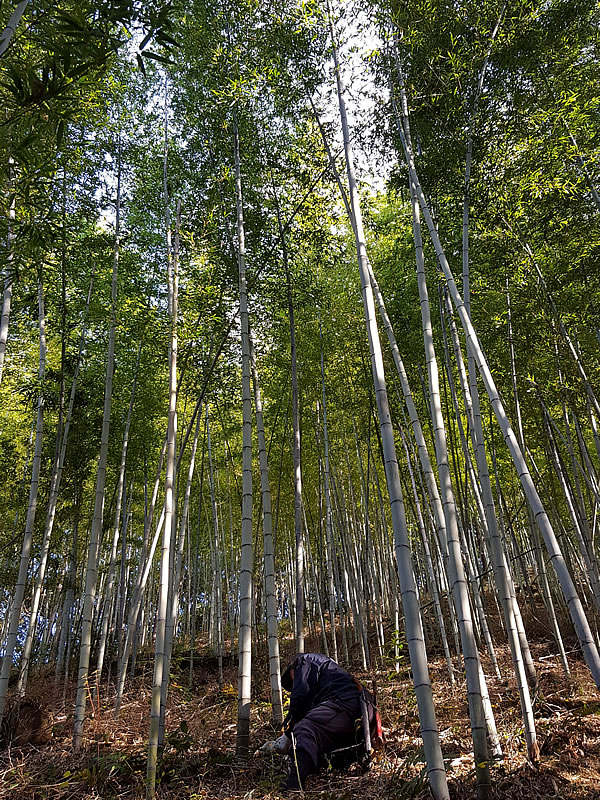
(299, 336)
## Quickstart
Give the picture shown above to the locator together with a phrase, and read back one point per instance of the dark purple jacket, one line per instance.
(318, 679)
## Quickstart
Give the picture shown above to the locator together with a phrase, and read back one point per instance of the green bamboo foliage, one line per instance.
(503, 168)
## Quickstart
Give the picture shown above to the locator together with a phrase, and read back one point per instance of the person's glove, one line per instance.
(281, 746)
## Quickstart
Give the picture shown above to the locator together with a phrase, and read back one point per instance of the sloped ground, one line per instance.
(199, 758)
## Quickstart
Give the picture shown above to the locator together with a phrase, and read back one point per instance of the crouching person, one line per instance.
(324, 713)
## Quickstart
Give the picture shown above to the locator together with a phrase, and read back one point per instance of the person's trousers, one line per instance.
(324, 729)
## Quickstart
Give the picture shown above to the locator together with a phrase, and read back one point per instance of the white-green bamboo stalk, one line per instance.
(184, 527)
(134, 611)
(161, 666)
(269, 556)
(246, 560)
(299, 620)
(9, 276)
(217, 602)
(117, 531)
(70, 584)
(471, 571)
(316, 606)
(178, 533)
(19, 593)
(522, 660)
(577, 470)
(162, 607)
(591, 570)
(140, 631)
(521, 439)
(97, 519)
(11, 26)
(433, 755)
(194, 586)
(123, 574)
(328, 511)
(406, 390)
(456, 570)
(576, 611)
(429, 563)
(233, 584)
(51, 512)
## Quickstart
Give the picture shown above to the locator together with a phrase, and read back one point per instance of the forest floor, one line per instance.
(199, 762)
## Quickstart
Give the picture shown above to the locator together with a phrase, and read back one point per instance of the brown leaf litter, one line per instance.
(199, 757)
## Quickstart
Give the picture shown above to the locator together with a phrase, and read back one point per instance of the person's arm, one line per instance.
(306, 676)
(281, 745)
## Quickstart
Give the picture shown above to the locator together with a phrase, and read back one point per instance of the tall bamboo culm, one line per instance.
(91, 572)
(580, 622)
(246, 559)
(160, 658)
(414, 634)
(17, 602)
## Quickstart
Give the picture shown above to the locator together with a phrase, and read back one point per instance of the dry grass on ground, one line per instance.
(199, 762)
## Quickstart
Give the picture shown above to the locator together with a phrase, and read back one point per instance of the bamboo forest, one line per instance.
(299, 354)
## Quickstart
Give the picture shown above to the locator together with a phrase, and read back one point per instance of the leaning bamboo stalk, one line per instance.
(9, 277)
(19, 593)
(161, 612)
(433, 584)
(399, 364)
(183, 533)
(456, 570)
(134, 611)
(426, 467)
(577, 471)
(435, 765)
(11, 26)
(576, 611)
(124, 574)
(591, 566)
(67, 610)
(52, 505)
(522, 662)
(117, 531)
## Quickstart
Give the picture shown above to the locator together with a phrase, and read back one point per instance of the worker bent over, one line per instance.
(324, 713)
